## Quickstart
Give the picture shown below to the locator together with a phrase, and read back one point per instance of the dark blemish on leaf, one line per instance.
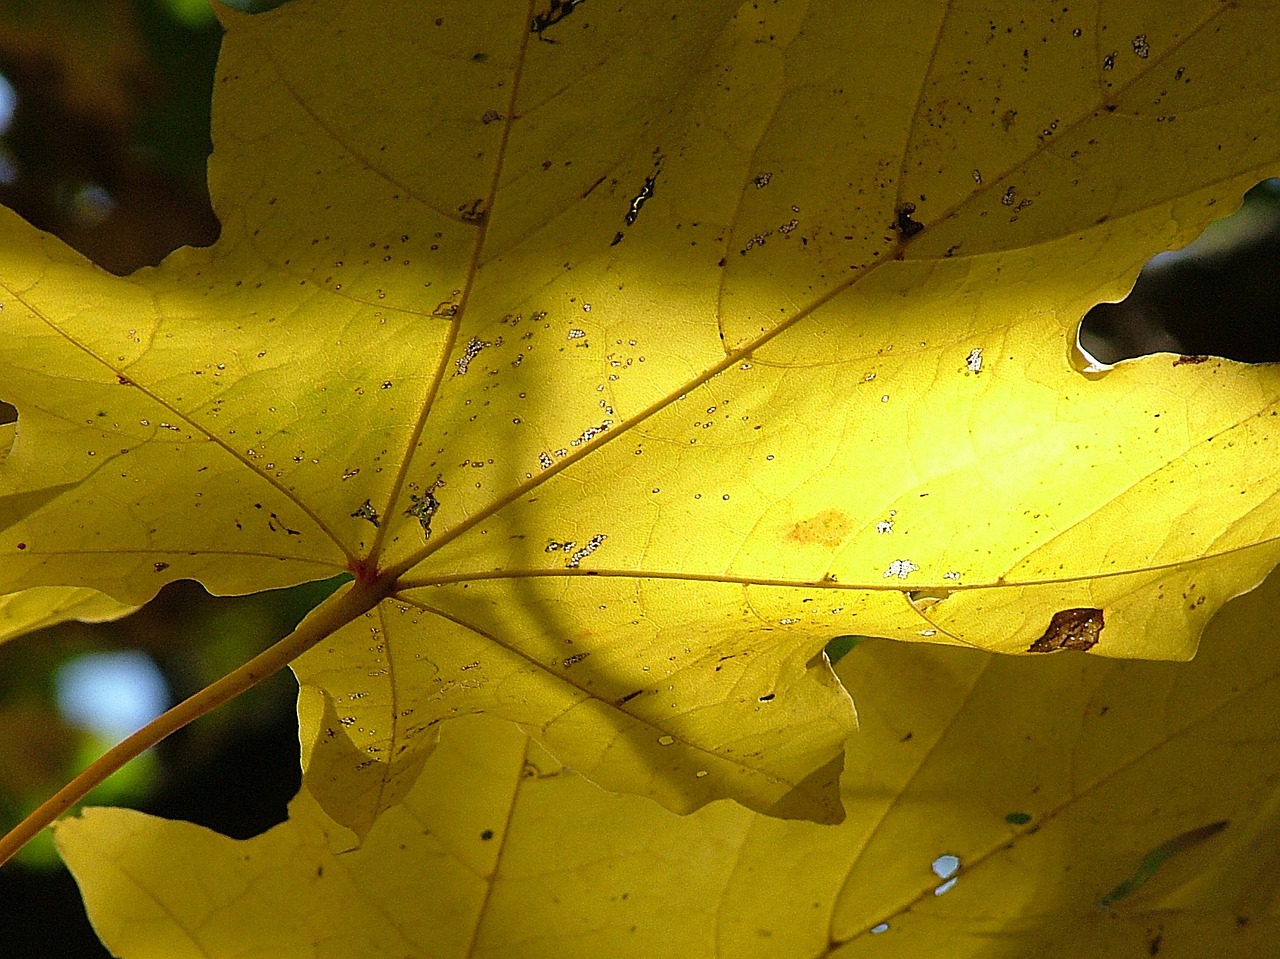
(424, 507)
(617, 238)
(559, 10)
(161, 567)
(906, 226)
(1017, 818)
(1070, 629)
(1007, 120)
(491, 116)
(1109, 61)
(575, 658)
(22, 546)
(124, 380)
(366, 511)
(767, 697)
(639, 200)
(473, 213)
(479, 58)
(486, 835)
(1194, 358)
(1154, 948)
(272, 525)
(627, 698)
(1141, 46)
(645, 194)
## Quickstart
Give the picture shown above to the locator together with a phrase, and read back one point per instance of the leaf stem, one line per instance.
(323, 621)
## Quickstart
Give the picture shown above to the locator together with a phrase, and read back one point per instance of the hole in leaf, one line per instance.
(1219, 296)
(946, 866)
(8, 427)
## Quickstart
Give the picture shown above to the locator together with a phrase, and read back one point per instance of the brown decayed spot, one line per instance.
(828, 529)
(1191, 358)
(1070, 629)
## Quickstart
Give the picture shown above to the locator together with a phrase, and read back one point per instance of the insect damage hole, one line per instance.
(9, 427)
(1077, 628)
(549, 18)
(423, 508)
(643, 196)
(904, 224)
(1217, 297)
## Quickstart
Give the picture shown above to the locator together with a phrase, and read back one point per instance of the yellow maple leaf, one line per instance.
(996, 806)
(623, 359)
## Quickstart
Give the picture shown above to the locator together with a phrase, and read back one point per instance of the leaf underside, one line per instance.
(648, 358)
(1051, 781)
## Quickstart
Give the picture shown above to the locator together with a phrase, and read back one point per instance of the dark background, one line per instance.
(106, 148)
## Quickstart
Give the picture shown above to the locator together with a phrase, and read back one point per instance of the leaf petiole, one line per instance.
(362, 596)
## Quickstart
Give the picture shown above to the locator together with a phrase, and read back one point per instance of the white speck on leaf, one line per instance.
(901, 568)
(591, 433)
(590, 547)
(474, 346)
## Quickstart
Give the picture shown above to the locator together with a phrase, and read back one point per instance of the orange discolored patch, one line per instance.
(1070, 629)
(828, 529)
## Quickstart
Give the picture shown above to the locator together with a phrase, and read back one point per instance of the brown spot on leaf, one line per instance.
(1193, 358)
(1070, 629)
(903, 223)
(827, 529)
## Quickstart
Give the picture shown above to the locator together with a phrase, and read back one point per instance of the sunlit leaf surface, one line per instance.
(41, 606)
(1083, 807)
(647, 350)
